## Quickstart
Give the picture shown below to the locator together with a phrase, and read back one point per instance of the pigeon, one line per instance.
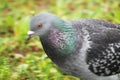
(86, 48)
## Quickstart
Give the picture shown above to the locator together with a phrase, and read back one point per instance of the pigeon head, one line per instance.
(40, 24)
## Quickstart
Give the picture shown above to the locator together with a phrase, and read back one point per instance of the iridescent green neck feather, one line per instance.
(69, 36)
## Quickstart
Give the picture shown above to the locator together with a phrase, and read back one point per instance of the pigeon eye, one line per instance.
(39, 25)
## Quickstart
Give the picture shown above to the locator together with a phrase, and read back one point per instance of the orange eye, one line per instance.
(39, 25)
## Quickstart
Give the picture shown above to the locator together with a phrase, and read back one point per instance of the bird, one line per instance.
(85, 48)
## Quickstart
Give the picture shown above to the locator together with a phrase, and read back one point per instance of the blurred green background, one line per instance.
(27, 61)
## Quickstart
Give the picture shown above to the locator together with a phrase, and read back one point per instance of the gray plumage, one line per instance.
(85, 48)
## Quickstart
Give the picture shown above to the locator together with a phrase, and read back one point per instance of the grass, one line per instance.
(27, 61)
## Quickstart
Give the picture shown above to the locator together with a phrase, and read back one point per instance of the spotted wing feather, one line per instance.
(103, 57)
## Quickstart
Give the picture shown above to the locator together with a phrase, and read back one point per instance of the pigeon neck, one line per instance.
(63, 26)
(60, 39)
(65, 34)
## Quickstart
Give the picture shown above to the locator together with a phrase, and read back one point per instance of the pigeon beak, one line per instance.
(30, 34)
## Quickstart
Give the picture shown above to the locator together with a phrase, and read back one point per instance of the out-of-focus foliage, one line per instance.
(27, 61)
